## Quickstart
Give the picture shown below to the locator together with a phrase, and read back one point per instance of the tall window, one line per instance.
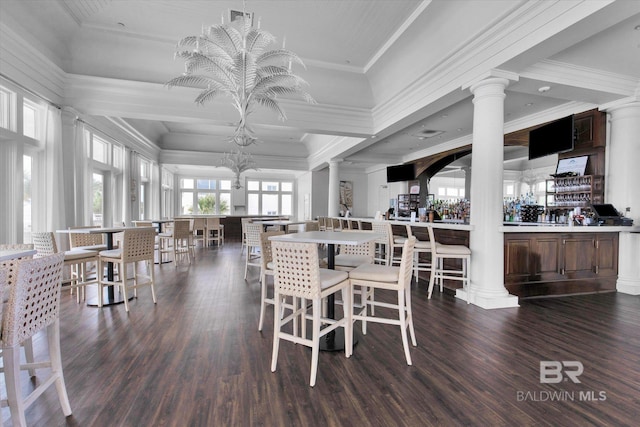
(7, 108)
(269, 197)
(205, 196)
(145, 186)
(27, 165)
(167, 194)
(97, 200)
(106, 163)
(30, 119)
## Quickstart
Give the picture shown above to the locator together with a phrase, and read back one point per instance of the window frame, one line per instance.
(196, 192)
(279, 192)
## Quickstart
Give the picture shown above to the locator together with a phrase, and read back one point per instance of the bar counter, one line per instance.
(547, 260)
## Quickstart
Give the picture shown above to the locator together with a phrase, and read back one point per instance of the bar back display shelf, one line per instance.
(408, 203)
(574, 191)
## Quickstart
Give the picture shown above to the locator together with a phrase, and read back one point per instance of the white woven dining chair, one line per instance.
(391, 278)
(298, 275)
(33, 306)
(137, 246)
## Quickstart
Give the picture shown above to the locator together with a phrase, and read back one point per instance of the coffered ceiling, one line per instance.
(390, 77)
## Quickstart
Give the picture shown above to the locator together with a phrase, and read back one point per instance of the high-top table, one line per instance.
(283, 224)
(110, 298)
(334, 340)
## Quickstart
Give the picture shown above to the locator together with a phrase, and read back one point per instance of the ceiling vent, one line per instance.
(428, 133)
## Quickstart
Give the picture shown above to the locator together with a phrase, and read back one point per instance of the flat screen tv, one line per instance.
(552, 138)
(401, 173)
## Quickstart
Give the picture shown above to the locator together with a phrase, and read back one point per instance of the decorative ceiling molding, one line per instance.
(142, 100)
(133, 133)
(395, 36)
(573, 75)
(80, 10)
(202, 158)
(337, 147)
(547, 115)
(529, 24)
(20, 62)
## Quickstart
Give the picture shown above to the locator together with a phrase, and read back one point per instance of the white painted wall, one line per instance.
(360, 192)
(380, 191)
(319, 193)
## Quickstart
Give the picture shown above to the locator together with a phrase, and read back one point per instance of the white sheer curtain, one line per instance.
(82, 176)
(49, 212)
(126, 187)
(134, 181)
(154, 212)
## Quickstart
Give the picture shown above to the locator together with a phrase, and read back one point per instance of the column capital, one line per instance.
(489, 87)
(490, 75)
(632, 105)
(335, 161)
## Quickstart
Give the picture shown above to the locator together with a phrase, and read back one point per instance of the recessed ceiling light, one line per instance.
(121, 24)
(373, 136)
(637, 28)
(544, 89)
(459, 129)
(444, 116)
(529, 104)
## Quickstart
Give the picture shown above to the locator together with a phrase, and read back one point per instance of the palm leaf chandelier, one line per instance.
(232, 60)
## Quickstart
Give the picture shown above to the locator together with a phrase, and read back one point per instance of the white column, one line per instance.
(487, 156)
(334, 187)
(621, 188)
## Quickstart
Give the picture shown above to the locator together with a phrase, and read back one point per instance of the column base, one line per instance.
(628, 286)
(488, 302)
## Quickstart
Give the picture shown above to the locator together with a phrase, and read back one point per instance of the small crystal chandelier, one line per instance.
(232, 59)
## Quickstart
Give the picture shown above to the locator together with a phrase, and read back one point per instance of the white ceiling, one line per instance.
(391, 68)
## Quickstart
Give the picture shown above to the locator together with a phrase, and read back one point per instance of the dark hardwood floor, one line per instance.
(197, 359)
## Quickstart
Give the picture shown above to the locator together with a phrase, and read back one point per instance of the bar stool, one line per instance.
(421, 247)
(253, 230)
(385, 244)
(441, 252)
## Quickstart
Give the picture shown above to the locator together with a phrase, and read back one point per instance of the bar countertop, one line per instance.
(564, 228)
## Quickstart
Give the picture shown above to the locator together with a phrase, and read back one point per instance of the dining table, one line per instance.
(110, 297)
(334, 340)
(283, 224)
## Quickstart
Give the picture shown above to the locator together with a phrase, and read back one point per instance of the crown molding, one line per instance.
(28, 67)
(528, 25)
(583, 77)
(547, 115)
(203, 158)
(396, 35)
(142, 100)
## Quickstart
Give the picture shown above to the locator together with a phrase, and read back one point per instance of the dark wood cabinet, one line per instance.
(541, 264)
(578, 256)
(548, 257)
